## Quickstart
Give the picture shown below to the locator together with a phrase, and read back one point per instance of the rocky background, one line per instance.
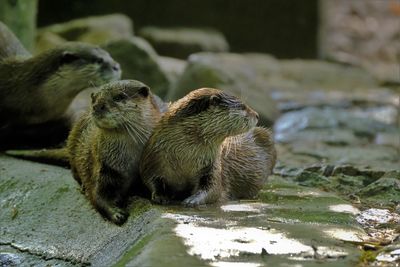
(334, 198)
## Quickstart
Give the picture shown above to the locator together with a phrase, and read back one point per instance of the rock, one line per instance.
(237, 74)
(173, 67)
(139, 61)
(317, 74)
(114, 26)
(350, 127)
(181, 42)
(46, 217)
(47, 40)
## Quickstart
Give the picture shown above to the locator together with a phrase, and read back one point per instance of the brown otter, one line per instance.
(38, 89)
(247, 160)
(105, 145)
(181, 160)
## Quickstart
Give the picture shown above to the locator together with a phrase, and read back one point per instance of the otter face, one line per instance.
(84, 65)
(216, 113)
(121, 105)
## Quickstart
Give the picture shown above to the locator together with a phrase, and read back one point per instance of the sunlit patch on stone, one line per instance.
(214, 244)
(250, 207)
(345, 208)
(377, 216)
(347, 235)
(393, 256)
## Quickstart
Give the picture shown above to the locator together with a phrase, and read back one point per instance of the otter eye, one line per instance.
(68, 57)
(99, 61)
(144, 91)
(119, 97)
(215, 100)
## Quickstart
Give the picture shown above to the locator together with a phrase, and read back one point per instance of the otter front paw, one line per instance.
(158, 199)
(196, 199)
(119, 216)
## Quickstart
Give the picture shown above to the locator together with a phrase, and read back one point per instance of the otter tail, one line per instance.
(57, 156)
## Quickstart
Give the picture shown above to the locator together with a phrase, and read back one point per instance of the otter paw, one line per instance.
(157, 199)
(195, 200)
(119, 216)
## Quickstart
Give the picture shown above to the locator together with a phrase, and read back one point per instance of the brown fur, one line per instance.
(39, 89)
(105, 145)
(247, 160)
(181, 159)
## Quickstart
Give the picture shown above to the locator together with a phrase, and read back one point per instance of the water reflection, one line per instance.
(213, 244)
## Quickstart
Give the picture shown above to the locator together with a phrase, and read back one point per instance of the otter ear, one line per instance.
(68, 57)
(144, 91)
(215, 100)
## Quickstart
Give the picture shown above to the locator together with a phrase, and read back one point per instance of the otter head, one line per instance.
(86, 65)
(214, 113)
(72, 67)
(125, 105)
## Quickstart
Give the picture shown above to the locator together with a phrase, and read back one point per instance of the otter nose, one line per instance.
(99, 107)
(116, 67)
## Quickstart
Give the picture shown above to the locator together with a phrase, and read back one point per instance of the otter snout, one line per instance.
(116, 67)
(252, 114)
(99, 108)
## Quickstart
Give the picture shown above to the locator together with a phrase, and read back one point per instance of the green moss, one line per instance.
(367, 256)
(130, 254)
(139, 206)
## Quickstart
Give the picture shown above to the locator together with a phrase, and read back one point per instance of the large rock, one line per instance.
(114, 26)
(172, 67)
(315, 74)
(181, 42)
(139, 61)
(45, 216)
(237, 74)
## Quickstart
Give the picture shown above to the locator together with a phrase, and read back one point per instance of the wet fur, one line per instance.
(106, 143)
(246, 161)
(181, 160)
(39, 89)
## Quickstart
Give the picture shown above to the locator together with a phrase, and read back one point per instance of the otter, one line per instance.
(105, 145)
(182, 159)
(246, 161)
(38, 89)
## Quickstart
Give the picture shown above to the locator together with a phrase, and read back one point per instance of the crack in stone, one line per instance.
(43, 256)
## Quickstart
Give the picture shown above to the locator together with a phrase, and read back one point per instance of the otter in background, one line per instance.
(38, 89)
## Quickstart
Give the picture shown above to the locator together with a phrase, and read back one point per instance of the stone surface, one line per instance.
(46, 220)
(173, 67)
(45, 217)
(139, 61)
(114, 26)
(182, 42)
